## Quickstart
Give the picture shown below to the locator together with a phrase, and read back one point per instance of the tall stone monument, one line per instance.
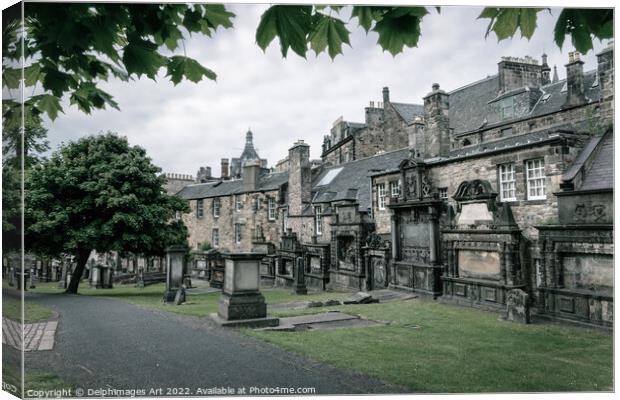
(175, 259)
(241, 302)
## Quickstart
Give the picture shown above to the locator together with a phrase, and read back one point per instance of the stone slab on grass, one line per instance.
(328, 320)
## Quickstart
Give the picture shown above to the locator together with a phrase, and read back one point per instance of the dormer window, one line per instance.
(507, 108)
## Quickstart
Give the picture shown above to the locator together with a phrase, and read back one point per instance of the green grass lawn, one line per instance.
(438, 348)
(34, 380)
(197, 305)
(11, 308)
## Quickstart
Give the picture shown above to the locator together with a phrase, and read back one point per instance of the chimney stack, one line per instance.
(515, 73)
(203, 175)
(574, 81)
(299, 178)
(545, 70)
(225, 164)
(386, 95)
(437, 124)
(251, 175)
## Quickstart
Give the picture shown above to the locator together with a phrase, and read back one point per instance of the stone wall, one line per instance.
(527, 213)
(201, 228)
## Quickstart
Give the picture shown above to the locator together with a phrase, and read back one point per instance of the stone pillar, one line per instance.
(300, 277)
(241, 302)
(394, 236)
(433, 235)
(175, 259)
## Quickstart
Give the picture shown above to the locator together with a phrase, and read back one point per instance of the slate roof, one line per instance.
(470, 109)
(267, 182)
(408, 112)
(600, 174)
(353, 182)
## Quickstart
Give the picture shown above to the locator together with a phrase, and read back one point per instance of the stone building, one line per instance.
(465, 198)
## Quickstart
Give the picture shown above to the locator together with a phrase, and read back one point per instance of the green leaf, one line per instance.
(330, 33)
(527, 21)
(11, 77)
(559, 32)
(180, 66)
(267, 29)
(174, 35)
(217, 15)
(32, 74)
(506, 23)
(398, 29)
(141, 57)
(364, 15)
(290, 23)
(49, 104)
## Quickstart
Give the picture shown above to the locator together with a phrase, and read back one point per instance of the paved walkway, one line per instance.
(37, 336)
(107, 343)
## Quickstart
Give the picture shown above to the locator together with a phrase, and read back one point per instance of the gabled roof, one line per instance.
(267, 182)
(408, 112)
(470, 109)
(600, 174)
(353, 180)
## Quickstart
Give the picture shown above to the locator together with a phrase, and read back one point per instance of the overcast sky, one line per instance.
(190, 125)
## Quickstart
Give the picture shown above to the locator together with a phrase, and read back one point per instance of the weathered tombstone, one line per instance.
(175, 259)
(107, 273)
(95, 275)
(241, 302)
(517, 306)
(179, 297)
(300, 277)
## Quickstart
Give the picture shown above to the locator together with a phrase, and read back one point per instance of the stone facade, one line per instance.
(385, 205)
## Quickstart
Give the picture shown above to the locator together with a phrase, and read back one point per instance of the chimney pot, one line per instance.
(386, 95)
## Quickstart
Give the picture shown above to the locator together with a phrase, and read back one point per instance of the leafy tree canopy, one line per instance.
(34, 143)
(70, 48)
(97, 40)
(99, 193)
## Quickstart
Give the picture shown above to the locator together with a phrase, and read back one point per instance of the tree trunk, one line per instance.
(82, 258)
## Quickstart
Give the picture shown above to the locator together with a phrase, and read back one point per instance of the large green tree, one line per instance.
(94, 41)
(99, 193)
(21, 149)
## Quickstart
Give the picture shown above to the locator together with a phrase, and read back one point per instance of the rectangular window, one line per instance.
(237, 233)
(256, 204)
(535, 174)
(381, 196)
(200, 208)
(507, 182)
(272, 209)
(507, 108)
(237, 202)
(318, 220)
(443, 193)
(506, 132)
(395, 189)
(215, 238)
(216, 207)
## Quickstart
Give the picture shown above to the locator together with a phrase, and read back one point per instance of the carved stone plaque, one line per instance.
(479, 264)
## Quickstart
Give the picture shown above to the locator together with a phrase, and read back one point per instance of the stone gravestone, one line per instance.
(241, 302)
(179, 297)
(518, 309)
(175, 258)
(300, 277)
